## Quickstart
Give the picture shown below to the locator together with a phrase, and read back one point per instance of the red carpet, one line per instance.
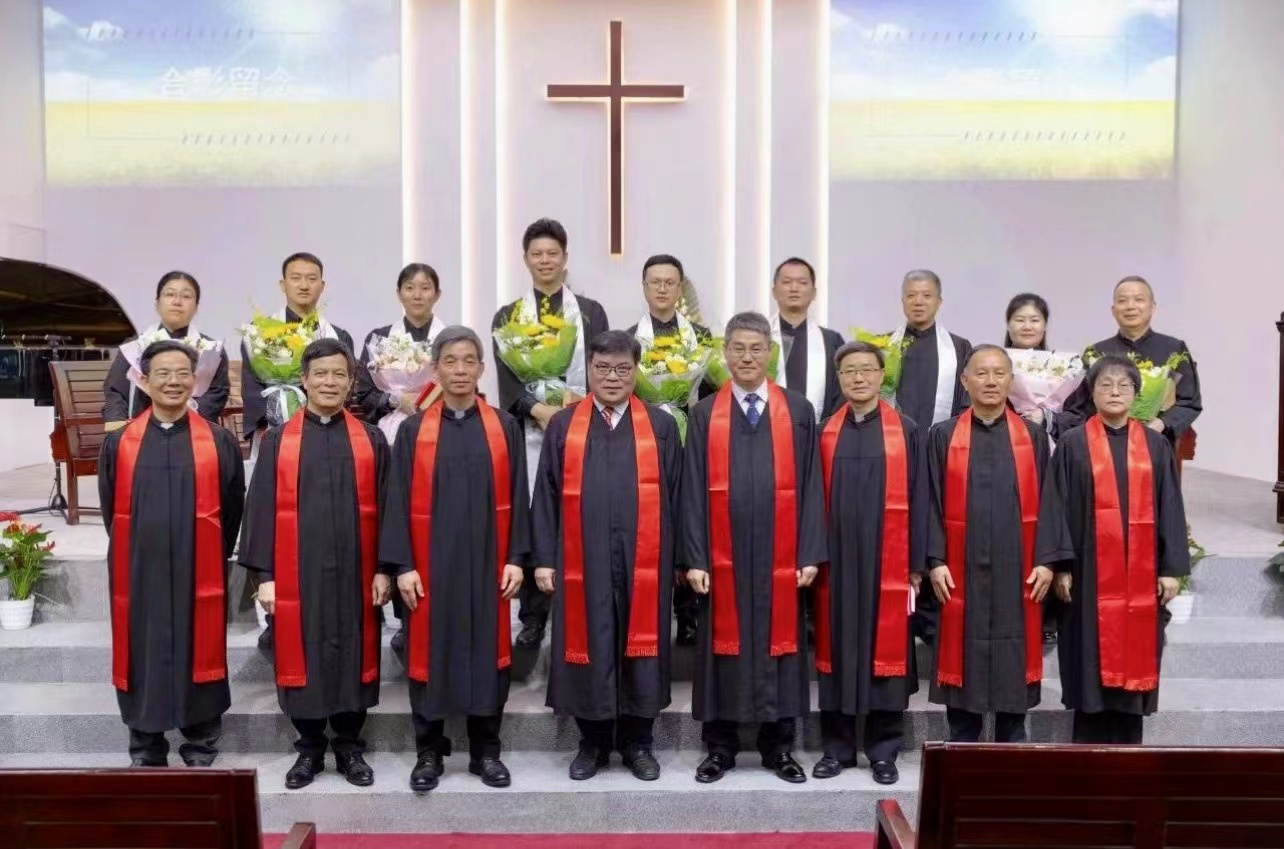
(789, 840)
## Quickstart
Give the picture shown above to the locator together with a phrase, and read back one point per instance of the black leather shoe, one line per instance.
(1049, 638)
(530, 636)
(686, 633)
(304, 770)
(641, 761)
(713, 767)
(492, 771)
(785, 767)
(144, 762)
(885, 772)
(426, 772)
(199, 762)
(355, 769)
(827, 767)
(398, 643)
(266, 637)
(587, 762)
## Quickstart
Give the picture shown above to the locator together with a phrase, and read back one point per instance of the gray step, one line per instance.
(1238, 586)
(84, 718)
(543, 799)
(80, 652)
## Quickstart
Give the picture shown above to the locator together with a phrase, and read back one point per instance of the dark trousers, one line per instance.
(884, 733)
(1107, 727)
(346, 729)
(774, 738)
(923, 619)
(684, 604)
(483, 736)
(199, 749)
(965, 726)
(534, 605)
(620, 734)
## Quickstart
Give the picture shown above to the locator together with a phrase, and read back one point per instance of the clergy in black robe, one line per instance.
(988, 657)
(178, 296)
(458, 476)
(418, 289)
(544, 252)
(1133, 307)
(327, 658)
(611, 660)
(1110, 658)
(169, 663)
(872, 461)
(794, 289)
(750, 650)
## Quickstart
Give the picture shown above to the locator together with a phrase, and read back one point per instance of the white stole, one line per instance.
(575, 379)
(817, 368)
(435, 326)
(947, 366)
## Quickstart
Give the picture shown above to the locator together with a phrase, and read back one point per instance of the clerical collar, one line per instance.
(180, 422)
(452, 413)
(180, 333)
(1150, 331)
(741, 394)
(926, 331)
(324, 420)
(988, 422)
(860, 418)
(619, 408)
(1123, 428)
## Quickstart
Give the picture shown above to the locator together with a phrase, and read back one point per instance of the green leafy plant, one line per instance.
(23, 551)
(1197, 553)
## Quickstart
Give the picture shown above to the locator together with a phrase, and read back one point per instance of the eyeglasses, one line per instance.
(755, 351)
(606, 369)
(166, 374)
(1123, 388)
(867, 373)
(663, 285)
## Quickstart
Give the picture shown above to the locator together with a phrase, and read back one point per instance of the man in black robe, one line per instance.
(611, 663)
(178, 296)
(327, 660)
(177, 461)
(794, 289)
(750, 651)
(1000, 642)
(662, 277)
(544, 252)
(871, 662)
(418, 289)
(457, 662)
(1108, 695)
(1133, 308)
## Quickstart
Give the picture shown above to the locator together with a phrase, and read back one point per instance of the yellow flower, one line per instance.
(295, 344)
(554, 321)
(665, 342)
(531, 329)
(676, 365)
(654, 356)
(550, 341)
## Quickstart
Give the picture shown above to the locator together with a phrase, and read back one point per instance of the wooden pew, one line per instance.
(135, 809)
(1185, 449)
(78, 425)
(973, 796)
(234, 412)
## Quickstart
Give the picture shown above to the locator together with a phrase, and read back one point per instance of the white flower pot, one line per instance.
(1181, 607)
(16, 615)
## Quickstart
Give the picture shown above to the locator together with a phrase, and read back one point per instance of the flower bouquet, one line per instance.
(538, 350)
(893, 357)
(275, 349)
(670, 371)
(1043, 379)
(1158, 383)
(209, 353)
(717, 371)
(398, 364)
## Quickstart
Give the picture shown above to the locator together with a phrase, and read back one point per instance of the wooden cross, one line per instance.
(615, 93)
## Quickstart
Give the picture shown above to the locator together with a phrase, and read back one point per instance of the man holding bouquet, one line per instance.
(547, 328)
(1168, 358)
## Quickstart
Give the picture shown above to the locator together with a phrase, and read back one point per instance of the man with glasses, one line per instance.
(604, 540)
(753, 520)
(876, 495)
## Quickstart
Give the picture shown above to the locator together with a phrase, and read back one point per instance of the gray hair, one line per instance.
(923, 275)
(981, 349)
(754, 322)
(456, 333)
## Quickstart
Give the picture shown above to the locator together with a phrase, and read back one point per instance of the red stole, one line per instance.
(421, 501)
(949, 667)
(644, 609)
(891, 641)
(291, 667)
(209, 628)
(784, 555)
(1127, 613)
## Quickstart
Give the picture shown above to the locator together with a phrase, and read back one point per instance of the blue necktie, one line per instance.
(753, 414)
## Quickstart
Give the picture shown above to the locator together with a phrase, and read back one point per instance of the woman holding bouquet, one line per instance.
(1027, 330)
(178, 296)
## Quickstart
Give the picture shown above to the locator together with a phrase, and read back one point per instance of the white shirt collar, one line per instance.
(740, 394)
(619, 408)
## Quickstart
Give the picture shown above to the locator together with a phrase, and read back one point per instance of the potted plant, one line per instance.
(1182, 606)
(23, 551)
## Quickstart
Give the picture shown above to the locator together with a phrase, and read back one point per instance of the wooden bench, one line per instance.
(1185, 449)
(135, 809)
(234, 412)
(78, 424)
(977, 796)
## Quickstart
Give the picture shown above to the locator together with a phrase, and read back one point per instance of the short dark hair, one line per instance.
(322, 348)
(982, 348)
(165, 346)
(456, 333)
(754, 322)
(856, 346)
(1022, 300)
(663, 259)
(615, 342)
(1114, 362)
(302, 256)
(920, 275)
(408, 273)
(178, 275)
(1136, 278)
(795, 260)
(545, 228)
